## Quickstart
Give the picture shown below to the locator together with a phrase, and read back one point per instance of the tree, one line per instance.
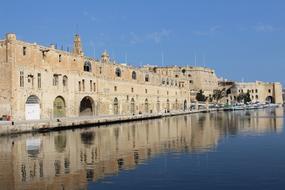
(244, 97)
(200, 96)
(247, 98)
(218, 94)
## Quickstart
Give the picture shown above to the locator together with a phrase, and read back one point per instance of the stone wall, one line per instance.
(48, 73)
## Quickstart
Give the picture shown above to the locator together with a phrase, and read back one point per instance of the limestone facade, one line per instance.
(39, 82)
(264, 92)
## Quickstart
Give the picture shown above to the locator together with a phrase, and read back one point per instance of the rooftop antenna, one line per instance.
(162, 58)
(195, 60)
(126, 58)
(94, 52)
(76, 28)
(93, 49)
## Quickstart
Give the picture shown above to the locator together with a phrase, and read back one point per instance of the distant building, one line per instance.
(263, 92)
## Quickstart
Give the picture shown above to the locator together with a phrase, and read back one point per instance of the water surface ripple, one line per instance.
(221, 150)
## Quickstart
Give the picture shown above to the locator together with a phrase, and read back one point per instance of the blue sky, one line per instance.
(240, 39)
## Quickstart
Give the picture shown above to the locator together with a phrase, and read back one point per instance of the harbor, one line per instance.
(17, 127)
(160, 153)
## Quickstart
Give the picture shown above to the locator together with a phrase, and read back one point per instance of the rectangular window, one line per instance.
(21, 79)
(90, 85)
(94, 87)
(32, 78)
(55, 80)
(115, 88)
(83, 85)
(79, 86)
(39, 81)
(24, 51)
(59, 58)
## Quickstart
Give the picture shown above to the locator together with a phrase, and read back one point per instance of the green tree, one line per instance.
(200, 96)
(218, 94)
(245, 97)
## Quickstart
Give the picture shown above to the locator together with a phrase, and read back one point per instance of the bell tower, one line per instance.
(77, 47)
(105, 57)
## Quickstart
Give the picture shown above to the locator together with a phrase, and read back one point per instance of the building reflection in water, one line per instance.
(69, 159)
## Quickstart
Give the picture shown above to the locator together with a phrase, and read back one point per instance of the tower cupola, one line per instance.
(105, 57)
(77, 47)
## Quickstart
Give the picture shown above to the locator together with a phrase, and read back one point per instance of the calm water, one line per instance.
(225, 150)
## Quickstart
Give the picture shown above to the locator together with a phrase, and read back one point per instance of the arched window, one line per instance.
(146, 79)
(134, 75)
(118, 72)
(87, 66)
(64, 81)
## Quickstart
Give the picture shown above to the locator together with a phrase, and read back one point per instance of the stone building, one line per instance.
(263, 92)
(191, 78)
(38, 82)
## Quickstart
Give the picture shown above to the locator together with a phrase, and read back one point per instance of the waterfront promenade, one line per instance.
(45, 125)
(16, 127)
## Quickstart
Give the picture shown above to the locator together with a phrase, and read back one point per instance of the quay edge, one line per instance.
(21, 127)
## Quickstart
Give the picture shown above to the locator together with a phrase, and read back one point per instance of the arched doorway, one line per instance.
(59, 107)
(133, 111)
(185, 105)
(32, 108)
(116, 106)
(86, 106)
(269, 99)
(146, 106)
